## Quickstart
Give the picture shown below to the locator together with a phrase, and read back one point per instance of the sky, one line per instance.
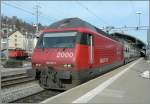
(98, 13)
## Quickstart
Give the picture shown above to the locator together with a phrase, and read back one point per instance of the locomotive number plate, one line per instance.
(64, 54)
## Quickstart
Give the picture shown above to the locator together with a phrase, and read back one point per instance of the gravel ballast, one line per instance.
(14, 93)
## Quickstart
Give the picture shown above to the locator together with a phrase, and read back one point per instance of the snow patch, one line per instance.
(146, 74)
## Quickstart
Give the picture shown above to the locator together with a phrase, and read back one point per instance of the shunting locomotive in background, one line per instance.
(17, 54)
(72, 51)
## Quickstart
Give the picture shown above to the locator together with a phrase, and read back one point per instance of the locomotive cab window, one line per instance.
(57, 40)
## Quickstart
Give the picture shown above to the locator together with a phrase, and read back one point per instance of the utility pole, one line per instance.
(148, 37)
(148, 41)
(7, 51)
(0, 38)
(37, 17)
(139, 13)
(37, 22)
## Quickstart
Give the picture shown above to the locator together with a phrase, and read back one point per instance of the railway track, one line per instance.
(38, 97)
(13, 80)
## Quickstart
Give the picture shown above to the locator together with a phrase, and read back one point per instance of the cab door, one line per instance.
(85, 51)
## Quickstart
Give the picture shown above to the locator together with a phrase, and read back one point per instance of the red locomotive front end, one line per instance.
(57, 59)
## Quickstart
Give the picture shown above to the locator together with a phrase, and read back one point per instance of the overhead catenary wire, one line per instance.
(91, 12)
(17, 6)
(60, 12)
(21, 9)
(8, 4)
(27, 11)
(48, 17)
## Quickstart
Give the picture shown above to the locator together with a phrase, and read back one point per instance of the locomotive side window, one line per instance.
(84, 38)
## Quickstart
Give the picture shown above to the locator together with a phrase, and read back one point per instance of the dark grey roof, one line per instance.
(71, 23)
(129, 37)
(77, 22)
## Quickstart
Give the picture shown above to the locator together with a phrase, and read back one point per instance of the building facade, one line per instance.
(17, 40)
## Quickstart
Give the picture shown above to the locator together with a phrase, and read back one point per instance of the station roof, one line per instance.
(129, 38)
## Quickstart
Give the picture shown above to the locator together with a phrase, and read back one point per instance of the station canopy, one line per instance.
(129, 38)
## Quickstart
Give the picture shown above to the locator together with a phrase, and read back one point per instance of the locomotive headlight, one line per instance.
(37, 64)
(67, 66)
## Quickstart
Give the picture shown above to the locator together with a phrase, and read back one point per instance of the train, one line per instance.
(72, 51)
(17, 54)
(133, 47)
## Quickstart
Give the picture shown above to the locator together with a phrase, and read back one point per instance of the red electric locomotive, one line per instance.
(17, 54)
(73, 51)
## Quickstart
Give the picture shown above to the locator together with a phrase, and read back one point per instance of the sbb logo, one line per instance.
(64, 54)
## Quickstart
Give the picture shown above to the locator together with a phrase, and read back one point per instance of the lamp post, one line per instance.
(139, 13)
(148, 41)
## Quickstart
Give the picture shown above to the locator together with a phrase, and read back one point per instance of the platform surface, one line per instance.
(122, 85)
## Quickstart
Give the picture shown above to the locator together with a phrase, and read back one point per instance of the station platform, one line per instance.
(129, 84)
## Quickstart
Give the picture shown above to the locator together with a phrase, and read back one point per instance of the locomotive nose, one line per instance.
(60, 58)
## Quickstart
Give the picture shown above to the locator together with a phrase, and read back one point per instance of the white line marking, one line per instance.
(89, 95)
